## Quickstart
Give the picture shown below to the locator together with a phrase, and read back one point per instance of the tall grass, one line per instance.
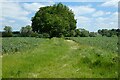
(58, 58)
(12, 45)
(106, 43)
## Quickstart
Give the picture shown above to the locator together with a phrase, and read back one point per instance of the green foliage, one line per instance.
(84, 33)
(92, 34)
(46, 35)
(77, 31)
(26, 31)
(34, 34)
(109, 33)
(72, 33)
(7, 34)
(54, 20)
(8, 31)
(16, 34)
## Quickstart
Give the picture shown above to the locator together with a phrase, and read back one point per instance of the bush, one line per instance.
(7, 34)
(16, 35)
(92, 34)
(40, 36)
(46, 35)
(34, 34)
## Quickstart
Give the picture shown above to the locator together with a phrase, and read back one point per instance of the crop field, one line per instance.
(74, 57)
(13, 45)
(105, 43)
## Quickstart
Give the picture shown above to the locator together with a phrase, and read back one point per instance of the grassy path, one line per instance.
(59, 58)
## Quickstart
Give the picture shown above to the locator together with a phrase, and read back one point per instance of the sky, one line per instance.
(90, 15)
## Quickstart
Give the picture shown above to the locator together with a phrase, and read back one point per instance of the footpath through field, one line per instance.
(73, 44)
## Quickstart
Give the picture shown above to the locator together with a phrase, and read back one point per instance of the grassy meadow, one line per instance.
(75, 57)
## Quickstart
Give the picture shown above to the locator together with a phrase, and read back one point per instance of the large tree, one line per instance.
(56, 20)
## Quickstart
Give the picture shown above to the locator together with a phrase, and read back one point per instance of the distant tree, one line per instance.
(57, 20)
(118, 32)
(100, 31)
(8, 31)
(84, 33)
(16, 33)
(77, 31)
(113, 32)
(109, 33)
(104, 32)
(92, 34)
(26, 31)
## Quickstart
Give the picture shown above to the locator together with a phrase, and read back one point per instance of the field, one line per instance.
(60, 58)
(105, 43)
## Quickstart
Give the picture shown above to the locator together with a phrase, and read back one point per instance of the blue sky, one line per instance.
(90, 15)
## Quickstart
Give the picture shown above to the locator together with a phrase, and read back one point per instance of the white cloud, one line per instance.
(80, 10)
(115, 14)
(0, 10)
(107, 13)
(11, 21)
(80, 14)
(108, 22)
(83, 22)
(83, 18)
(111, 3)
(33, 6)
(110, 25)
(100, 13)
(97, 19)
(100, 22)
(13, 10)
(14, 13)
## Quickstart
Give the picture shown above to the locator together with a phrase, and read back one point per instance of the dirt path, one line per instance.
(73, 44)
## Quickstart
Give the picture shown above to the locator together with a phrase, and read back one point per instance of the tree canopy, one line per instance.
(57, 20)
(26, 31)
(109, 33)
(7, 31)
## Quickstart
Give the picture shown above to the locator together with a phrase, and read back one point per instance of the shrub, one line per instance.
(7, 34)
(92, 34)
(46, 35)
(34, 34)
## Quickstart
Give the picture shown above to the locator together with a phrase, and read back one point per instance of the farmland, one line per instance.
(13, 45)
(105, 43)
(25, 57)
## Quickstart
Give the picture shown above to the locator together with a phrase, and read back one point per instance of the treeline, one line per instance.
(27, 32)
(109, 33)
